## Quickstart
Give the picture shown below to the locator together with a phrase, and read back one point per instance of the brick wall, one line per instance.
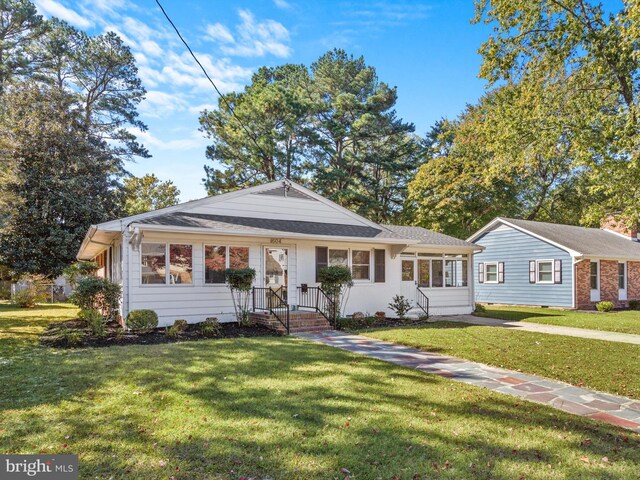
(609, 282)
(633, 280)
(583, 286)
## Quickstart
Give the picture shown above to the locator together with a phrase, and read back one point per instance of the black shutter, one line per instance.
(379, 257)
(532, 271)
(481, 272)
(500, 272)
(557, 271)
(322, 260)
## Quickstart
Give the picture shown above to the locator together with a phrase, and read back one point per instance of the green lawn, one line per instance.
(627, 321)
(606, 366)
(280, 408)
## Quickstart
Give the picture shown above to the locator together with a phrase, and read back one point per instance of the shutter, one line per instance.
(322, 260)
(500, 272)
(557, 271)
(379, 264)
(532, 271)
(481, 272)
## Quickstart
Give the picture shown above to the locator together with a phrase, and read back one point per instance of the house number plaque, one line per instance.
(277, 241)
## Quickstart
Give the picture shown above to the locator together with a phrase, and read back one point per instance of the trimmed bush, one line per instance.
(634, 304)
(99, 293)
(180, 325)
(29, 296)
(142, 320)
(95, 321)
(210, 327)
(604, 306)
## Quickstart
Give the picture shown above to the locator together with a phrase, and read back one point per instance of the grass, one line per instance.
(281, 408)
(626, 321)
(606, 366)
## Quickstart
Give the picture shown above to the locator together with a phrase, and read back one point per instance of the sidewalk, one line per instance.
(619, 411)
(542, 328)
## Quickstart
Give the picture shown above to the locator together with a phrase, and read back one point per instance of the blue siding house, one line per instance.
(545, 264)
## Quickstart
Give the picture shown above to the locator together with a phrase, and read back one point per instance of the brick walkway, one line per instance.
(620, 411)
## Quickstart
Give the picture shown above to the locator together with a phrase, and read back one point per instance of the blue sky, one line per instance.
(428, 49)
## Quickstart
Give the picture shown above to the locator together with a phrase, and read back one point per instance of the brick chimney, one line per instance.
(611, 223)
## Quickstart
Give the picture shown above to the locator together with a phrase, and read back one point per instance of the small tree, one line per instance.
(335, 281)
(400, 306)
(99, 293)
(240, 282)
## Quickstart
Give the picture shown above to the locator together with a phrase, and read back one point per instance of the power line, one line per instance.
(228, 105)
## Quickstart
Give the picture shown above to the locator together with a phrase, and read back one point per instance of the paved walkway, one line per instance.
(612, 409)
(542, 328)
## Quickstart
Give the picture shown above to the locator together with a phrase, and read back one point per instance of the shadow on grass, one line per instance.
(515, 315)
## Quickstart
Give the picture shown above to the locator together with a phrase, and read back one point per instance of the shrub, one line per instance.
(29, 296)
(334, 280)
(172, 332)
(634, 304)
(71, 337)
(240, 281)
(95, 321)
(99, 293)
(479, 308)
(400, 305)
(180, 325)
(604, 306)
(76, 271)
(5, 292)
(142, 320)
(210, 327)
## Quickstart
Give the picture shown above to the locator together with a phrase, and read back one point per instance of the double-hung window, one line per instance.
(545, 271)
(491, 272)
(360, 262)
(218, 258)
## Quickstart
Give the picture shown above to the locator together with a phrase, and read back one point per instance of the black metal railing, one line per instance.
(273, 301)
(422, 301)
(320, 301)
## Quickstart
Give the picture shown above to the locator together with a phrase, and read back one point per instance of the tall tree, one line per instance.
(62, 180)
(260, 134)
(147, 193)
(543, 41)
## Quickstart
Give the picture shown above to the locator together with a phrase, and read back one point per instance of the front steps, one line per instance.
(299, 321)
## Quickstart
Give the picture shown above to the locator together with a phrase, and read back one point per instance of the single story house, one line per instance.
(546, 264)
(172, 260)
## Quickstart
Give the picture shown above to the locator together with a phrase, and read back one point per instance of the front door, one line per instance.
(408, 286)
(276, 270)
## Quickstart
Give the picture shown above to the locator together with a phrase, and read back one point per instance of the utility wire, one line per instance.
(222, 97)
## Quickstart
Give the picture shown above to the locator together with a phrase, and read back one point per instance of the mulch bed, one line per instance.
(57, 335)
(387, 322)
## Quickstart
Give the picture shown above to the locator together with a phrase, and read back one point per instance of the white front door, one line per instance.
(622, 281)
(409, 283)
(276, 270)
(594, 280)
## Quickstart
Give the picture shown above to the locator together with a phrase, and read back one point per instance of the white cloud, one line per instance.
(194, 141)
(282, 4)
(253, 38)
(56, 9)
(160, 104)
(218, 32)
(152, 48)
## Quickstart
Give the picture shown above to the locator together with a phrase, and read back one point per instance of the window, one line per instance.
(180, 264)
(491, 272)
(424, 273)
(360, 264)
(153, 263)
(545, 271)
(437, 274)
(339, 257)
(622, 276)
(379, 270)
(455, 273)
(594, 276)
(218, 258)
(407, 271)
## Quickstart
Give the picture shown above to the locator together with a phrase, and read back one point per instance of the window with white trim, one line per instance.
(361, 264)
(153, 262)
(593, 275)
(491, 272)
(622, 275)
(545, 271)
(217, 258)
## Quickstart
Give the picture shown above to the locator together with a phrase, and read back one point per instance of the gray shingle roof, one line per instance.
(586, 241)
(260, 225)
(427, 237)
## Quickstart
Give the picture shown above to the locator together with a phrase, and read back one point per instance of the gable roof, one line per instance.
(577, 241)
(428, 237)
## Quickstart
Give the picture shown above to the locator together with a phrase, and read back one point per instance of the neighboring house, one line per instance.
(547, 264)
(173, 260)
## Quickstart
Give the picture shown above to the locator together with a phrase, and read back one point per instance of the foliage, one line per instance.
(210, 327)
(142, 320)
(147, 193)
(172, 332)
(479, 308)
(181, 325)
(335, 281)
(351, 323)
(29, 296)
(240, 282)
(400, 305)
(604, 306)
(79, 270)
(71, 336)
(94, 319)
(634, 304)
(98, 293)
